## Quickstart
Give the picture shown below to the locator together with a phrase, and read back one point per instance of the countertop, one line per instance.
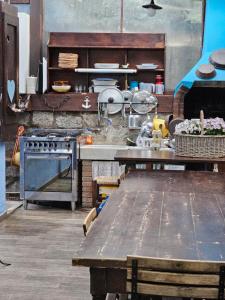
(102, 152)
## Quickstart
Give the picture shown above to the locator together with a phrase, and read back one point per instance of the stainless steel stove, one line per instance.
(48, 166)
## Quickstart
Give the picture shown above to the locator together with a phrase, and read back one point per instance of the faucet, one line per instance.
(107, 121)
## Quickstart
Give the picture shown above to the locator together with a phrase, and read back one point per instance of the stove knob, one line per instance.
(55, 145)
(45, 145)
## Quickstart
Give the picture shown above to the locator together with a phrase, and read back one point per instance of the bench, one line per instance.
(92, 215)
(175, 278)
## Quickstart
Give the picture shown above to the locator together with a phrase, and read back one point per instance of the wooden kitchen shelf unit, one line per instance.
(122, 48)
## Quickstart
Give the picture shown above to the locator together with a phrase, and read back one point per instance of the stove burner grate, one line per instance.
(54, 133)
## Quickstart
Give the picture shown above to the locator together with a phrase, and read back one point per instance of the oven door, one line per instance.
(48, 176)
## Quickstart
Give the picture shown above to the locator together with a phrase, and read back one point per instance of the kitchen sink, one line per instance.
(102, 152)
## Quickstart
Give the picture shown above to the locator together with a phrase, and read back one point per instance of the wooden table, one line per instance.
(163, 156)
(165, 214)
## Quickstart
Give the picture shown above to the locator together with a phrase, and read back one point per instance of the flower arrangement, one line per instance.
(200, 137)
(215, 126)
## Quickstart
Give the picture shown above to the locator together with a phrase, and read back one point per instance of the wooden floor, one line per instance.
(40, 243)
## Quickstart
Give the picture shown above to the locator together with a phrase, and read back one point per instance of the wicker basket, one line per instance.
(200, 145)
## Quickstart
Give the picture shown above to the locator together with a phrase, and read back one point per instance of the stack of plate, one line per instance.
(100, 84)
(68, 60)
(149, 66)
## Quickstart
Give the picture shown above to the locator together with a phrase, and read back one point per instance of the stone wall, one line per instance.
(115, 134)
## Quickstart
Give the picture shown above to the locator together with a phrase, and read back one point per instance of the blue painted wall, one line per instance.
(2, 179)
(214, 39)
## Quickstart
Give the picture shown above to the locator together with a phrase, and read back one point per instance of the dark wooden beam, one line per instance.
(121, 15)
(36, 34)
(107, 40)
(72, 102)
(203, 19)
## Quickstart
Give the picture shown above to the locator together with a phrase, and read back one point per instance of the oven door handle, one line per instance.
(47, 156)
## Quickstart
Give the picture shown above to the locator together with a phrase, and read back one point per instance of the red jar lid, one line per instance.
(158, 79)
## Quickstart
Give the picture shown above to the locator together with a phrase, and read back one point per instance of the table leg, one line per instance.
(123, 297)
(107, 280)
(73, 205)
(25, 203)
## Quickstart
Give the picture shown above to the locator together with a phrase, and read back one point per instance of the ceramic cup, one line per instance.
(133, 85)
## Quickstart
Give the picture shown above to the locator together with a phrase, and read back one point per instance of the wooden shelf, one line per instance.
(153, 41)
(72, 102)
(105, 71)
(126, 71)
(61, 69)
(151, 70)
(120, 48)
(91, 48)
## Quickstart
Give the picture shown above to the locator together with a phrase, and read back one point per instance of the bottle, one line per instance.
(156, 139)
(158, 79)
(159, 86)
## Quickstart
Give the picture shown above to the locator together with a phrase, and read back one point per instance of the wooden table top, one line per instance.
(165, 156)
(165, 214)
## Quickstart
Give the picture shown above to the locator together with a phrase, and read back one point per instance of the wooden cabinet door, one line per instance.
(9, 40)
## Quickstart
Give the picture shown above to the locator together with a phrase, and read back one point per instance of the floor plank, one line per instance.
(40, 243)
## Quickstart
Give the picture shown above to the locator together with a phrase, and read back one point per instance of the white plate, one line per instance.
(104, 81)
(147, 67)
(148, 64)
(106, 66)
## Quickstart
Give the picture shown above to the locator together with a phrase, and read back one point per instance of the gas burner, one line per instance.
(54, 133)
(49, 135)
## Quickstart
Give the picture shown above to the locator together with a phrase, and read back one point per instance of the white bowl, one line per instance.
(61, 88)
(125, 66)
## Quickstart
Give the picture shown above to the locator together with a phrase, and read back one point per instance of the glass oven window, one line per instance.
(48, 173)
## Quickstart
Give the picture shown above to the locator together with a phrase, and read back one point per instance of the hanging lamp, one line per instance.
(152, 5)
